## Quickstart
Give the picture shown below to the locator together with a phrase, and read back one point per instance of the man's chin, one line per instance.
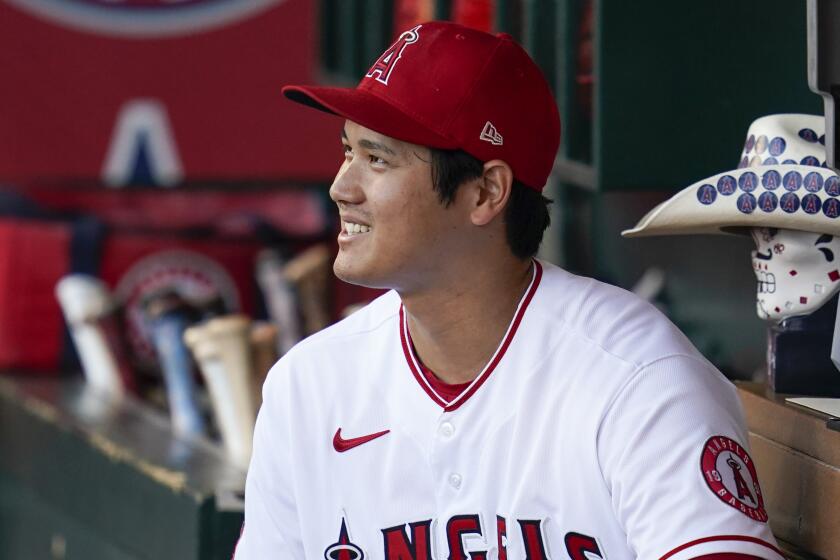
(354, 275)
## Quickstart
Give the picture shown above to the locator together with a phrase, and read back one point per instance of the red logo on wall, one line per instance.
(143, 18)
(192, 275)
(730, 473)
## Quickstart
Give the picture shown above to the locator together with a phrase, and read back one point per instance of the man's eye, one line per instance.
(377, 159)
(348, 151)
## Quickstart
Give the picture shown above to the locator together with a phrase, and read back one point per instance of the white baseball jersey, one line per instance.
(596, 431)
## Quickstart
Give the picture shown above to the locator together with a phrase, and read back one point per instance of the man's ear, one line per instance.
(492, 192)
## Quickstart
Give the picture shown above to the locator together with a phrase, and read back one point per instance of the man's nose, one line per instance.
(346, 187)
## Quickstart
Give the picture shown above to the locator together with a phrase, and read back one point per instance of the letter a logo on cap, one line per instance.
(490, 134)
(383, 67)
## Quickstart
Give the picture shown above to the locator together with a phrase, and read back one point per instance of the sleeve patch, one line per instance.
(730, 474)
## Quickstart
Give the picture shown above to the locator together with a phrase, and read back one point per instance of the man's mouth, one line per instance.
(354, 229)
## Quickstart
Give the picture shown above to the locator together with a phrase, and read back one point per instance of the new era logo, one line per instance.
(490, 134)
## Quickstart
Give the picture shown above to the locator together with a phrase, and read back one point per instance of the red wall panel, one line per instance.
(62, 87)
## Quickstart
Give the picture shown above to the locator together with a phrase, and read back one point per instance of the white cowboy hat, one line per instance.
(781, 182)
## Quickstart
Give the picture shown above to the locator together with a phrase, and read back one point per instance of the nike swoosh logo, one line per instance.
(341, 445)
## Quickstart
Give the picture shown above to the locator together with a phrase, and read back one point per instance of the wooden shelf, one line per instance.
(798, 461)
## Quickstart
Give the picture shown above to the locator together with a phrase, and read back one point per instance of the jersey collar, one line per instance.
(414, 364)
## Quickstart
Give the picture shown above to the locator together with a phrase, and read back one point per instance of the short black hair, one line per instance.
(526, 214)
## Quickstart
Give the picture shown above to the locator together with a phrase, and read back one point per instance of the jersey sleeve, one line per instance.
(674, 454)
(271, 528)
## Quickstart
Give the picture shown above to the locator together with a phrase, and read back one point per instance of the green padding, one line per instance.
(117, 472)
(32, 528)
(678, 83)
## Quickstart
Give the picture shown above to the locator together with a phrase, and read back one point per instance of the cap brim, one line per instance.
(370, 111)
(684, 213)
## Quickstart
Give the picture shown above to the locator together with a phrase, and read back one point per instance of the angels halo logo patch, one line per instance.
(730, 473)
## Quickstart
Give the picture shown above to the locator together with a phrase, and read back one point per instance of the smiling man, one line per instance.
(490, 405)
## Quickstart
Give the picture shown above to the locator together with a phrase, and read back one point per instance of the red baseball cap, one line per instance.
(447, 86)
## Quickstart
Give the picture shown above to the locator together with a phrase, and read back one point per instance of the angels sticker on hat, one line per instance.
(777, 146)
(790, 203)
(832, 186)
(811, 203)
(726, 185)
(770, 180)
(746, 203)
(706, 194)
(813, 182)
(831, 208)
(748, 181)
(768, 202)
(808, 135)
(792, 181)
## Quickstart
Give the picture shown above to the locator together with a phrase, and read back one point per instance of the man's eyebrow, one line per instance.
(376, 146)
(371, 145)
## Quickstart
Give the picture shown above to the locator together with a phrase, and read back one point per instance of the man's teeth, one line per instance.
(355, 228)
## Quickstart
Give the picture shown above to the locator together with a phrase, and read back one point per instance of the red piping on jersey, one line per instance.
(727, 556)
(409, 357)
(723, 538)
(413, 365)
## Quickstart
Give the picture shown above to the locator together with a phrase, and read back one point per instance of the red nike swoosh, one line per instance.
(341, 445)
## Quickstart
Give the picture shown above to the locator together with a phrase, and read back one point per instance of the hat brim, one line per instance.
(684, 214)
(371, 111)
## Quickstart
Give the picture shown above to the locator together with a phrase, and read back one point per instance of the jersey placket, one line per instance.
(460, 495)
(451, 436)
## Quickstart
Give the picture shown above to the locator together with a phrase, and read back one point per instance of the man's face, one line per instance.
(797, 271)
(395, 232)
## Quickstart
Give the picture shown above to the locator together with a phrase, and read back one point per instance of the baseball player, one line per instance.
(491, 405)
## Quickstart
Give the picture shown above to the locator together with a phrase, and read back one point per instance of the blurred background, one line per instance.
(160, 201)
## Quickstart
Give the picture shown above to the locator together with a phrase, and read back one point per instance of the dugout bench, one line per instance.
(82, 479)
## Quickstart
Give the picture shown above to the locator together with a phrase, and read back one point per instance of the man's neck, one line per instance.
(457, 329)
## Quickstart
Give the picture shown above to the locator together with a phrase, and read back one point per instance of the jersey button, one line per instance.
(446, 430)
(455, 480)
